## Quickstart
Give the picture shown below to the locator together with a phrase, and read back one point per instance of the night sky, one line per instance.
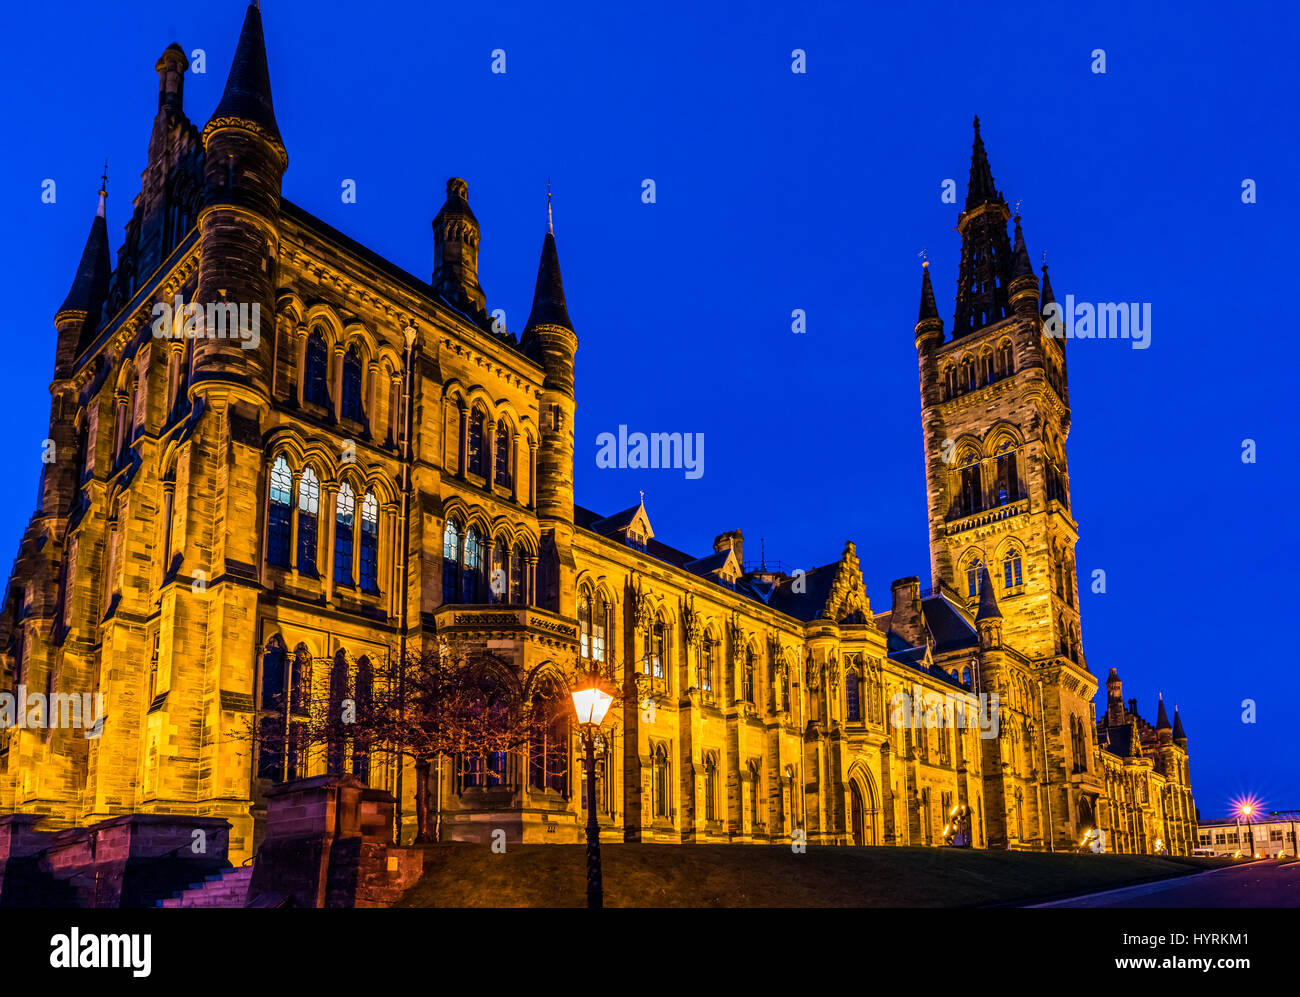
(779, 191)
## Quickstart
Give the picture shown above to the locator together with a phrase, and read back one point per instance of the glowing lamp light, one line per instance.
(591, 705)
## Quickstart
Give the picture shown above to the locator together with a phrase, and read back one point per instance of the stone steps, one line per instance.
(228, 889)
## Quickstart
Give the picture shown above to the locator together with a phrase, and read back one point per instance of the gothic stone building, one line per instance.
(381, 467)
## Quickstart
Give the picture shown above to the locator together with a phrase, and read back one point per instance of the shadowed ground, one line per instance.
(463, 875)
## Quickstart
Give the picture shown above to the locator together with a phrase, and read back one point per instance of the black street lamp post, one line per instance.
(591, 704)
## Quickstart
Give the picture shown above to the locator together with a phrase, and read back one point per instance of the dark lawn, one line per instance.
(462, 875)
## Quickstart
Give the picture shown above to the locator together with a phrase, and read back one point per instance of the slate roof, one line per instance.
(248, 87)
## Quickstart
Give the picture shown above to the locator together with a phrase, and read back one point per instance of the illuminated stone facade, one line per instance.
(379, 465)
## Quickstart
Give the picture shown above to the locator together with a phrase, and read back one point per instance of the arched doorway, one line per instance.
(863, 809)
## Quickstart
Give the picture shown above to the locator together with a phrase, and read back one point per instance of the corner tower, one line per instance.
(549, 339)
(995, 416)
(245, 160)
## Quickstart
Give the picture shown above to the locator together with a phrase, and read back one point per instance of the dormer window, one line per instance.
(635, 540)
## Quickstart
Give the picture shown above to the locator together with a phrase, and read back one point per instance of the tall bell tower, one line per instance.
(995, 416)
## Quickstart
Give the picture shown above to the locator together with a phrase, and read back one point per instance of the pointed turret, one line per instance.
(981, 189)
(244, 166)
(929, 326)
(1179, 736)
(1162, 718)
(1047, 296)
(1114, 699)
(247, 97)
(90, 286)
(455, 253)
(1020, 265)
(549, 340)
(548, 297)
(988, 618)
(988, 608)
(985, 273)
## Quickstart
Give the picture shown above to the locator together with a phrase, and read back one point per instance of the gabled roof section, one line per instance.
(722, 564)
(633, 519)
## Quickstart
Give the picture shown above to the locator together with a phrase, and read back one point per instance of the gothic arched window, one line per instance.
(1008, 479)
(477, 458)
(972, 492)
(503, 449)
(1011, 569)
(281, 512)
(711, 786)
(316, 371)
(344, 511)
(338, 693)
(599, 627)
(471, 566)
(852, 703)
(369, 569)
(308, 508)
(584, 624)
(351, 401)
(973, 577)
(662, 785)
(1006, 358)
(706, 664)
(517, 594)
(363, 697)
(450, 561)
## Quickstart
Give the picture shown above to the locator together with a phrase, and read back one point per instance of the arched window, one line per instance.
(450, 561)
(517, 594)
(308, 507)
(973, 577)
(281, 511)
(584, 624)
(658, 647)
(990, 373)
(972, 492)
(351, 401)
(364, 696)
(477, 458)
(706, 664)
(852, 703)
(1069, 582)
(950, 379)
(1006, 359)
(599, 628)
(315, 386)
(369, 544)
(662, 785)
(747, 677)
(711, 786)
(344, 511)
(1011, 572)
(335, 746)
(300, 681)
(270, 758)
(499, 581)
(968, 375)
(471, 566)
(751, 790)
(966, 676)
(503, 452)
(1008, 478)
(549, 752)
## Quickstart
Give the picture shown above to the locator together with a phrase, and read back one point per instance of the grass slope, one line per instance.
(462, 875)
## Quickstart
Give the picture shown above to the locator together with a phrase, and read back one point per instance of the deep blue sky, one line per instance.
(779, 191)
